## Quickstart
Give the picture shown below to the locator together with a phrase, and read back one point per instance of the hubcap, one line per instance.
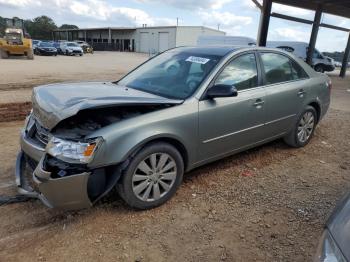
(154, 177)
(305, 127)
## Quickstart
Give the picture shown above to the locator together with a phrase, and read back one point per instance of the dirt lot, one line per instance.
(20, 75)
(218, 214)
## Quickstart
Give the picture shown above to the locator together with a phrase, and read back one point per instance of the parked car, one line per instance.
(45, 48)
(210, 40)
(179, 110)
(337, 64)
(35, 43)
(57, 45)
(71, 48)
(87, 49)
(335, 240)
(320, 62)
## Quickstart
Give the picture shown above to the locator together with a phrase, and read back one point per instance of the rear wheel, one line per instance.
(30, 55)
(152, 177)
(4, 54)
(303, 129)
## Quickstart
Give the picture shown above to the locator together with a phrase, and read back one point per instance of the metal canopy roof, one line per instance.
(334, 7)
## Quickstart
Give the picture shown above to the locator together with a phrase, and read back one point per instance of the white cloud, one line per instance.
(20, 3)
(227, 21)
(287, 33)
(191, 4)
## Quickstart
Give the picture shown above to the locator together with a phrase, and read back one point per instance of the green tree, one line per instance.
(2, 25)
(40, 27)
(67, 26)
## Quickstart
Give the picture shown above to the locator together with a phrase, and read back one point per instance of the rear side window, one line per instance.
(240, 72)
(279, 68)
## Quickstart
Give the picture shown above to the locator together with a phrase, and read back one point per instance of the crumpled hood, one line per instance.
(55, 102)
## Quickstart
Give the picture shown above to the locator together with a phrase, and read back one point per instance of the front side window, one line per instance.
(173, 74)
(240, 72)
(279, 68)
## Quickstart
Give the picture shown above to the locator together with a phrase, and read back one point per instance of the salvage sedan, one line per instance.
(179, 110)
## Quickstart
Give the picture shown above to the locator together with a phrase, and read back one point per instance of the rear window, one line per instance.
(279, 68)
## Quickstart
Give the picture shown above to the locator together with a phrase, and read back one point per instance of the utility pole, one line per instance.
(177, 21)
(218, 26)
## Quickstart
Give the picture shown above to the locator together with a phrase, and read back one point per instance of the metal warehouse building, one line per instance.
(144, 39)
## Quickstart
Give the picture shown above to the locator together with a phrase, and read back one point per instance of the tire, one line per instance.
(30, 55)
(4, 54)
(319, 68)
(132, 189)
(67, 53)
(295, 140)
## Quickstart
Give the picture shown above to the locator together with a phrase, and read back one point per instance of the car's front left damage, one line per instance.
(58, 142)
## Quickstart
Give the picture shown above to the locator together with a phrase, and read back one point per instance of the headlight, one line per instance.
(77, 152)
(328, 251)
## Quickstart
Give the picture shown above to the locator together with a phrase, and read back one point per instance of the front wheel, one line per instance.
(319, 68)
(152, 176)
(304, 129)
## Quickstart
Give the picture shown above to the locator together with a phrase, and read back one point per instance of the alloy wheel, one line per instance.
(154, 177)
(306, 126)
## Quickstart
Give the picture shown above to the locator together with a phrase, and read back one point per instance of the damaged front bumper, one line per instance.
(60, 185)
(66, 193)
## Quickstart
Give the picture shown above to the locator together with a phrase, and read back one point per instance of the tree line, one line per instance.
(40, 27)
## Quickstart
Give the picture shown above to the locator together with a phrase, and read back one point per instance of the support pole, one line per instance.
(67, 35)
(85, 35)
(264, 22)
(345, 59)
(109, 36)
(314, 33)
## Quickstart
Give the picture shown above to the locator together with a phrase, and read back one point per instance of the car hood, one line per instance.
(339, 225)
(55, 102)
(74, 47)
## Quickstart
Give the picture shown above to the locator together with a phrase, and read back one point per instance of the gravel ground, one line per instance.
(266, 204)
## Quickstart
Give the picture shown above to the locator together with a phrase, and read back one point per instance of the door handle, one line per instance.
(258, 103)
(301, 92)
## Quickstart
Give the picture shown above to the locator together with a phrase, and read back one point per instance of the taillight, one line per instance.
(329, 84)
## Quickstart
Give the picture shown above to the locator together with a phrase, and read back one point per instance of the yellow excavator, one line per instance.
(15, 41)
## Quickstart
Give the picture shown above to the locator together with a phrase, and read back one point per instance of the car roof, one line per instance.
(223, 50)
(212, 50)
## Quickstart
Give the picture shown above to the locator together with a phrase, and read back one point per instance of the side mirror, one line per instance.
(221, 90)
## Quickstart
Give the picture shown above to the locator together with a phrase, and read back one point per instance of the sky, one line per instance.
(235, 17)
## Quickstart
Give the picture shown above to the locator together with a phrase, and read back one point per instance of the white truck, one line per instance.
(320, 62)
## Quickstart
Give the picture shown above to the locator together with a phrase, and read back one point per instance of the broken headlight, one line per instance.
(70, 151)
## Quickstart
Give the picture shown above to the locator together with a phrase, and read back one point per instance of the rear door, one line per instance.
(284, 82)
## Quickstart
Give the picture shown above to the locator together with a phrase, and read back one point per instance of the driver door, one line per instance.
(231, 123)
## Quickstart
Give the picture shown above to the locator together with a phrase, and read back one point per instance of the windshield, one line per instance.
(72, 44)
(13, 36)
(46, 44)
(173, 74)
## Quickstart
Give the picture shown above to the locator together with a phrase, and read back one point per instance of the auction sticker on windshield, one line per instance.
(198, 60)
